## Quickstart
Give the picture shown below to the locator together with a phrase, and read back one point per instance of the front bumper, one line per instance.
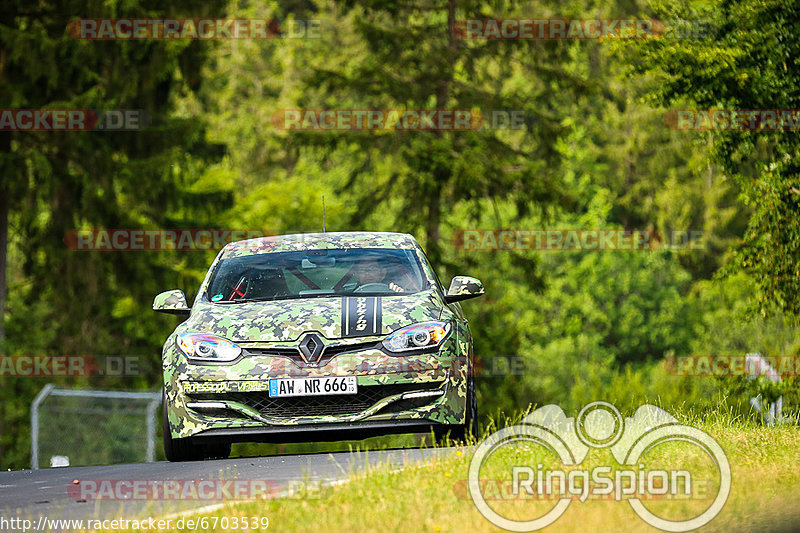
(322, 432)
(396, 394)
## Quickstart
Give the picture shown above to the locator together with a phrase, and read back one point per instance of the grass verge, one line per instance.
(432, 496)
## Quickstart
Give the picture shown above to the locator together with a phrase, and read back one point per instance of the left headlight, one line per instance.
(203, 347)
(417, 336)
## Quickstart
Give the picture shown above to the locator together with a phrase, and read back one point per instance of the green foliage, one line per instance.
(726, 327)
(750, 62)
(75, 302)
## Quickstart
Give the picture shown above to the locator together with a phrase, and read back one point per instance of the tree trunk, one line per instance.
(433, 242)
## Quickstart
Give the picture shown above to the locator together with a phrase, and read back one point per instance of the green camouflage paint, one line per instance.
(280, 324)
(170, 300)
(465, 285)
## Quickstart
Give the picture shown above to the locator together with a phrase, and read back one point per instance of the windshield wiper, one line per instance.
(244, 300)
(278, 298)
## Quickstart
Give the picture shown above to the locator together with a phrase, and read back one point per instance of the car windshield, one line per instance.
(316, 273)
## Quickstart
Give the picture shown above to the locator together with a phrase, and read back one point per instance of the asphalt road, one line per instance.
(57, 493)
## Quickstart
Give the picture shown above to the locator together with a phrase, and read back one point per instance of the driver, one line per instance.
(370, 270)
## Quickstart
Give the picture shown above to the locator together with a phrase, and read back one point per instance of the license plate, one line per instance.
(284, 387)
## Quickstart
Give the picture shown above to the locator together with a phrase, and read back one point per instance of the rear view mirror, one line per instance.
(318, 262)
(171, 302)
(463, 288)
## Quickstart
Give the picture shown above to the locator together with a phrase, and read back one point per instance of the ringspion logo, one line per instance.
(599, 425)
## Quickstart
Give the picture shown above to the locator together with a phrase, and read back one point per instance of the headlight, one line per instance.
(202, 347)
(417, 336)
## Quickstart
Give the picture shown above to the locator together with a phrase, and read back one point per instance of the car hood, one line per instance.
(334, 317)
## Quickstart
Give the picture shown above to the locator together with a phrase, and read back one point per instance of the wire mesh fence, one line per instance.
(91, 427)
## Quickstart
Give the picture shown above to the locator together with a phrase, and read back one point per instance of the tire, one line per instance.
(187, 449)
(471, 425)
(217, 450)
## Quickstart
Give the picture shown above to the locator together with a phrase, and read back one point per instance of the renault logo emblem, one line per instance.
(311, 348)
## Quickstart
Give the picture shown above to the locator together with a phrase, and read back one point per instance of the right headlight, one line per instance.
(205, 348)
(417, 336)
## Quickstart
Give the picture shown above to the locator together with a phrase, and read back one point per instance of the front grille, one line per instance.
(300, 406)
(288, 351)
(332, 350)
(329, 351)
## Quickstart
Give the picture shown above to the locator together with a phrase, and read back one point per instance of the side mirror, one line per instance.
(171, 302)
(463, 288)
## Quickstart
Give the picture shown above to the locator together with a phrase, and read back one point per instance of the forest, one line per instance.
(520, 154)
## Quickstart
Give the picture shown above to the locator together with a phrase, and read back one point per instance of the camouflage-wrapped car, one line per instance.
(321, 336)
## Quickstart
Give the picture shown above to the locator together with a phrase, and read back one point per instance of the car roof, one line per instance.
(319, 241)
